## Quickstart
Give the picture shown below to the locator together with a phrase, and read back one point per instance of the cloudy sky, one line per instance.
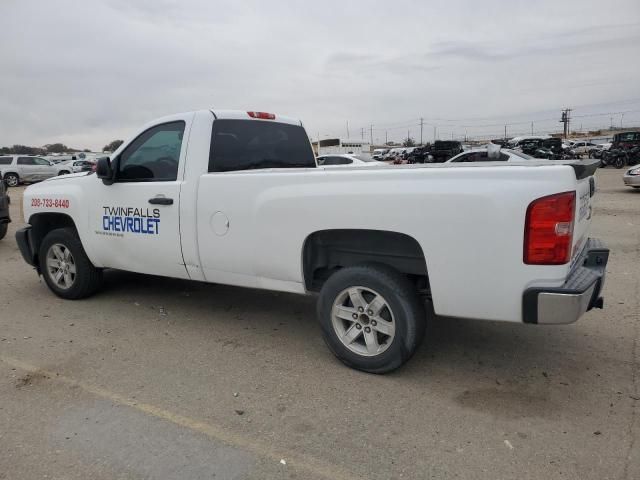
(86, 72)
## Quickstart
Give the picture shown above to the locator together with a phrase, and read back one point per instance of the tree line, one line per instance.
(53, 148)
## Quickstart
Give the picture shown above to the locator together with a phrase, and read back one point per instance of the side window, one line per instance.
(41, 161)
(251, 144)
(5, 160)
(26, 161)
(153, 156)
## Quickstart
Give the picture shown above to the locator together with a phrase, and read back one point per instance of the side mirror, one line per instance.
(104, 170)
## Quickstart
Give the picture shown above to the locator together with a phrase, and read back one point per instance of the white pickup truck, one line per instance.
(237, 198)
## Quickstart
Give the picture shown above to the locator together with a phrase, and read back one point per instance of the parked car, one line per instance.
(379, 153)
(625, 140)
(443, 150)
(234, 197)
(74, 166)
(583, 148)
(347, 159)
(599, 150)
(15, 169)
(531, 146)
(482, 155)
(5, 219)
(632, 177)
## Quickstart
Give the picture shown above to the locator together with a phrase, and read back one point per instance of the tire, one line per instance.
(402, 313)
(12, 179)
(64, 246)
(619, 162)
(3, 230)
(64, 172)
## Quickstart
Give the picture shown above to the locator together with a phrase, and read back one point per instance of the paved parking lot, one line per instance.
(164, 379)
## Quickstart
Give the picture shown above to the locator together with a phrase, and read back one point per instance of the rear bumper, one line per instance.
(580, 292)
(23, 238)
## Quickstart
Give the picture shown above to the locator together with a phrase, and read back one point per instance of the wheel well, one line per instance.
(43, 223)
(326, 251)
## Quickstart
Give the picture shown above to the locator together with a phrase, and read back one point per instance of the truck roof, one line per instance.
(244, 115)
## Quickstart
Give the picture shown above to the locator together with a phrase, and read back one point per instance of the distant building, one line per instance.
(339, 145)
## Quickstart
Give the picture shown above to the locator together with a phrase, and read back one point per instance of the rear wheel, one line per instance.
(371, 317)
(65, 266)
(3, 230)
(12, 179)
(64, 172)
(619, 162)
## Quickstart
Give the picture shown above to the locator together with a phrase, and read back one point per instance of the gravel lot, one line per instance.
(165, 379)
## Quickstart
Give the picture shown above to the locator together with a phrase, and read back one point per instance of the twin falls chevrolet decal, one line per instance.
(119, 220)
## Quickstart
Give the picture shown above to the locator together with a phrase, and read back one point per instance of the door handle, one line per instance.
(161, 201)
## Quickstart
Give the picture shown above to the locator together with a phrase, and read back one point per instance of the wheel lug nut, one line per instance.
(355, 316)
(360, 309)
(369, 312)
(367, 329)
(374, 323)
(358, 326)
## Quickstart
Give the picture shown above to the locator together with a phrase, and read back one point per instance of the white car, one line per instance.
(74, 166)
(347, 160)
(237, 198)
(379, 153)
(632, 177)
(482, 155)
(15, 169)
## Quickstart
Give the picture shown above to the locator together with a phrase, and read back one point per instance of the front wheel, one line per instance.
(3, 230)
(371, 317)
(619, 162)
(65, 266)
(64, 172)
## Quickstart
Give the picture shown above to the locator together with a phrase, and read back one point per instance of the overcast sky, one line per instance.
(87, 72)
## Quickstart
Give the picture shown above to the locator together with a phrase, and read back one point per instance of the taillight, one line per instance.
(262, 115)
(548, 231)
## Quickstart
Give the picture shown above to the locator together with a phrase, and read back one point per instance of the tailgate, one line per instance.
(585, 191)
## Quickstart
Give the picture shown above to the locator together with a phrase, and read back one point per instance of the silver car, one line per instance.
(632, 177)
(15, 169)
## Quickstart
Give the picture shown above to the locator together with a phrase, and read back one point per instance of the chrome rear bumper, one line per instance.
(580, 292)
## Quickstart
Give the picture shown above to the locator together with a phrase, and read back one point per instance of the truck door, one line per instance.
(135, 221)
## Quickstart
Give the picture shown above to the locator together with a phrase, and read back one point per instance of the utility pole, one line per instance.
(505, 133)
(408, 134)
(421, 124)
(348, 136)
(621, 118)
(565, 119)
(362, 133)
(371, 133)
(531, 128)
(386, 137)
(434, 132)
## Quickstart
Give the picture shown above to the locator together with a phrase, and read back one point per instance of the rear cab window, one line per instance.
(6, 160)
(254, 144)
